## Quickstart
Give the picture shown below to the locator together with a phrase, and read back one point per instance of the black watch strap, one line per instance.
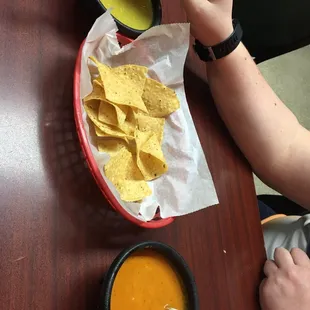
(211, 53)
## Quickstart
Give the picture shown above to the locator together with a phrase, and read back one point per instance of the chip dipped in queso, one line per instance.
(146, 280)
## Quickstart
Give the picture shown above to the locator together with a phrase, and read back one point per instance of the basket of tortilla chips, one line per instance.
(135, 125)
(126, 111)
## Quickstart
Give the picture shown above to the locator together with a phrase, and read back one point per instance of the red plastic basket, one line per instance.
(157, 222)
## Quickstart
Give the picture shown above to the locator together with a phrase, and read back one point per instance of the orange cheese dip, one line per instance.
(146, 280)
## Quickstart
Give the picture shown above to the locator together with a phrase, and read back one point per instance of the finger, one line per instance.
(300, 258)
(283, 258)
(261, 286)
(264, 294)
(270, 268)
(261, 292)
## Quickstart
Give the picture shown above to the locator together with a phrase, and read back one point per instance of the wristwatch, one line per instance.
(211, 53)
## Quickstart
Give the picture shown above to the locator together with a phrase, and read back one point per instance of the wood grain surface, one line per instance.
(57, 233)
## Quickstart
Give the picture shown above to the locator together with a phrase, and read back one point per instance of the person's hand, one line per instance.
(287, 285)
(211, 21)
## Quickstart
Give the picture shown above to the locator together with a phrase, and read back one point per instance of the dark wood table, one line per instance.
(57, 233)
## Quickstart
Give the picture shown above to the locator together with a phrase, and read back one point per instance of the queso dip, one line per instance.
(137, 14)
(146, 280)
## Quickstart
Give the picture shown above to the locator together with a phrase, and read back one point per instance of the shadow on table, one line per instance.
(82, 211)
(90, 285)
(71, 23)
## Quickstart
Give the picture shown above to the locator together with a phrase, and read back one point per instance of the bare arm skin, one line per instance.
(267, 132)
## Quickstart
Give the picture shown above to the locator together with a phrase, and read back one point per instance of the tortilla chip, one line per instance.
(100, 133)
(111, 114)
(159, 100)
(91, 108)
(92, 132)
(111, 146)
(122, 167)
(121, 112)
(107, 113)
(123, 172)
(102, 68)
(150, 158)
(133, 191)
(96, 94)
(98, 81)
(131, 69)
(124, 86)
(153, 124)
(130, 124)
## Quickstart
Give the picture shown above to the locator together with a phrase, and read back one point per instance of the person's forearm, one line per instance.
(263, 127)
(269, 135)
